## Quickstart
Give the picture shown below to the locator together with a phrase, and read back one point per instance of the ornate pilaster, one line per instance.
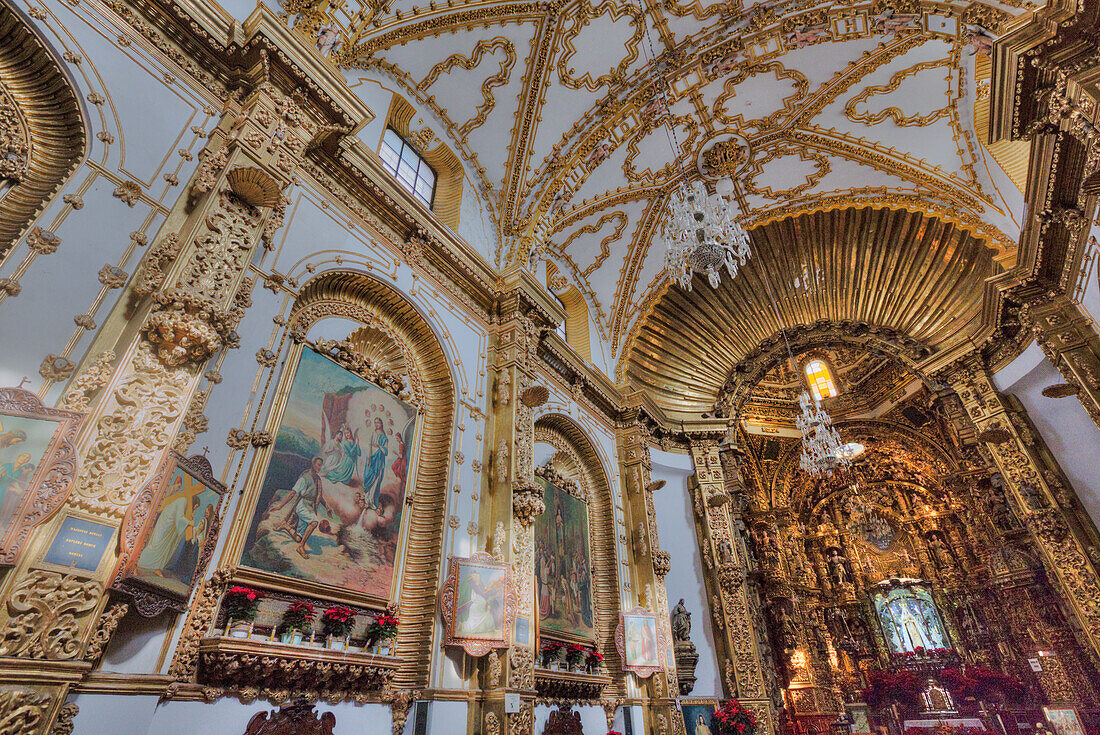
(1042, 499)
(650, 561)
(743, 667)
(1069, 340)
(513, 499)
(182, 308)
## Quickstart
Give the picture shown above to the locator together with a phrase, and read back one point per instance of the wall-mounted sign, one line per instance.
(79, 545)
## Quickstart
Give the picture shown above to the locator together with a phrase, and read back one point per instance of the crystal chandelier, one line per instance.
(822, 451)
(702, 235)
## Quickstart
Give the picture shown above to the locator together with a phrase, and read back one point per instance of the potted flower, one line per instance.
(381, 632)
(297, 619)
(595, 658)
(733, 719)
(337, 622)
(550, 651)
(574, 654)
(240, 605)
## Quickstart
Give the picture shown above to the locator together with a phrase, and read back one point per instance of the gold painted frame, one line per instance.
(41, 554)
(448, 601)
(257, 474)
(139, 522)
(643, 672)
(686, 702)
(549, 475)
(1060, 728)
(52, 479)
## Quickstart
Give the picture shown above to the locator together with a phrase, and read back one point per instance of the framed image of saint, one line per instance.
(37, 465)
(1064, 720)
(641, 642)
(698, 714)
(169, 534)
(478, 604)
(327, 497)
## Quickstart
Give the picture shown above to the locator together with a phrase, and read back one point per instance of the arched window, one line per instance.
(820, 379)
(408, 166)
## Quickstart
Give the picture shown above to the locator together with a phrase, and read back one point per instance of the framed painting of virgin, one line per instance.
(328, 497)
(37, 465)
(169, 534)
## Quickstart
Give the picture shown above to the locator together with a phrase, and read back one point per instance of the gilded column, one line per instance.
(513, 499)
(183, 307)
(744, 666)
(650, 564)
(1043, 500)
(1069, 340)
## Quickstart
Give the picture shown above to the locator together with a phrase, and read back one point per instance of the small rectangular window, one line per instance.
(407, 165)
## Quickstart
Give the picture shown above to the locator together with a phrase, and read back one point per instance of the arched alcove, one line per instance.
(576, 458)
(392, 324)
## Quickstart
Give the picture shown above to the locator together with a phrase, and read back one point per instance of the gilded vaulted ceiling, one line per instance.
(910, 283)
(560, 112)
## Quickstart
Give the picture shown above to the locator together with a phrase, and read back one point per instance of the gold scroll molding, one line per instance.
(365, 299)
(577, 460)
(45, 102)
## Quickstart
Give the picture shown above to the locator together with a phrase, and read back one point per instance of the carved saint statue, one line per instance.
(681, 622)
(940, 552)
(725, 552)
(837, 569)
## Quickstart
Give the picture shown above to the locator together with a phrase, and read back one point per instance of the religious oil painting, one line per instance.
(24, 442)
(37, 465)
(909, 619)
(698, 716)
(639, 641)
(563, 565)
(186, 520)
(1064, 720)
(478, 603)
(330, 504)
(169, 534)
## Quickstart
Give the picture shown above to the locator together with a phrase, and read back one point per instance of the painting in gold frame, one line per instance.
(478, 604)
(1064, 720)
(641, 642)
(563, 563)
(37, 465)
(349, 443)
(698, 714)
(169, 534)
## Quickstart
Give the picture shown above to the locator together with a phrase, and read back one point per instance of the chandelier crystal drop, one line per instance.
(822, 450)
(701, 234)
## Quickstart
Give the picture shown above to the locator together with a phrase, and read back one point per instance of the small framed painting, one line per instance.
(1064, 720)
(640, 641)
(478, 604)
(37, 465)
(169, 534)
(698, 714)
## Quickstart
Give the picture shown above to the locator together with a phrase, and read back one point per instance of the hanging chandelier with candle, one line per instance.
(701, 234)
(822, 450)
